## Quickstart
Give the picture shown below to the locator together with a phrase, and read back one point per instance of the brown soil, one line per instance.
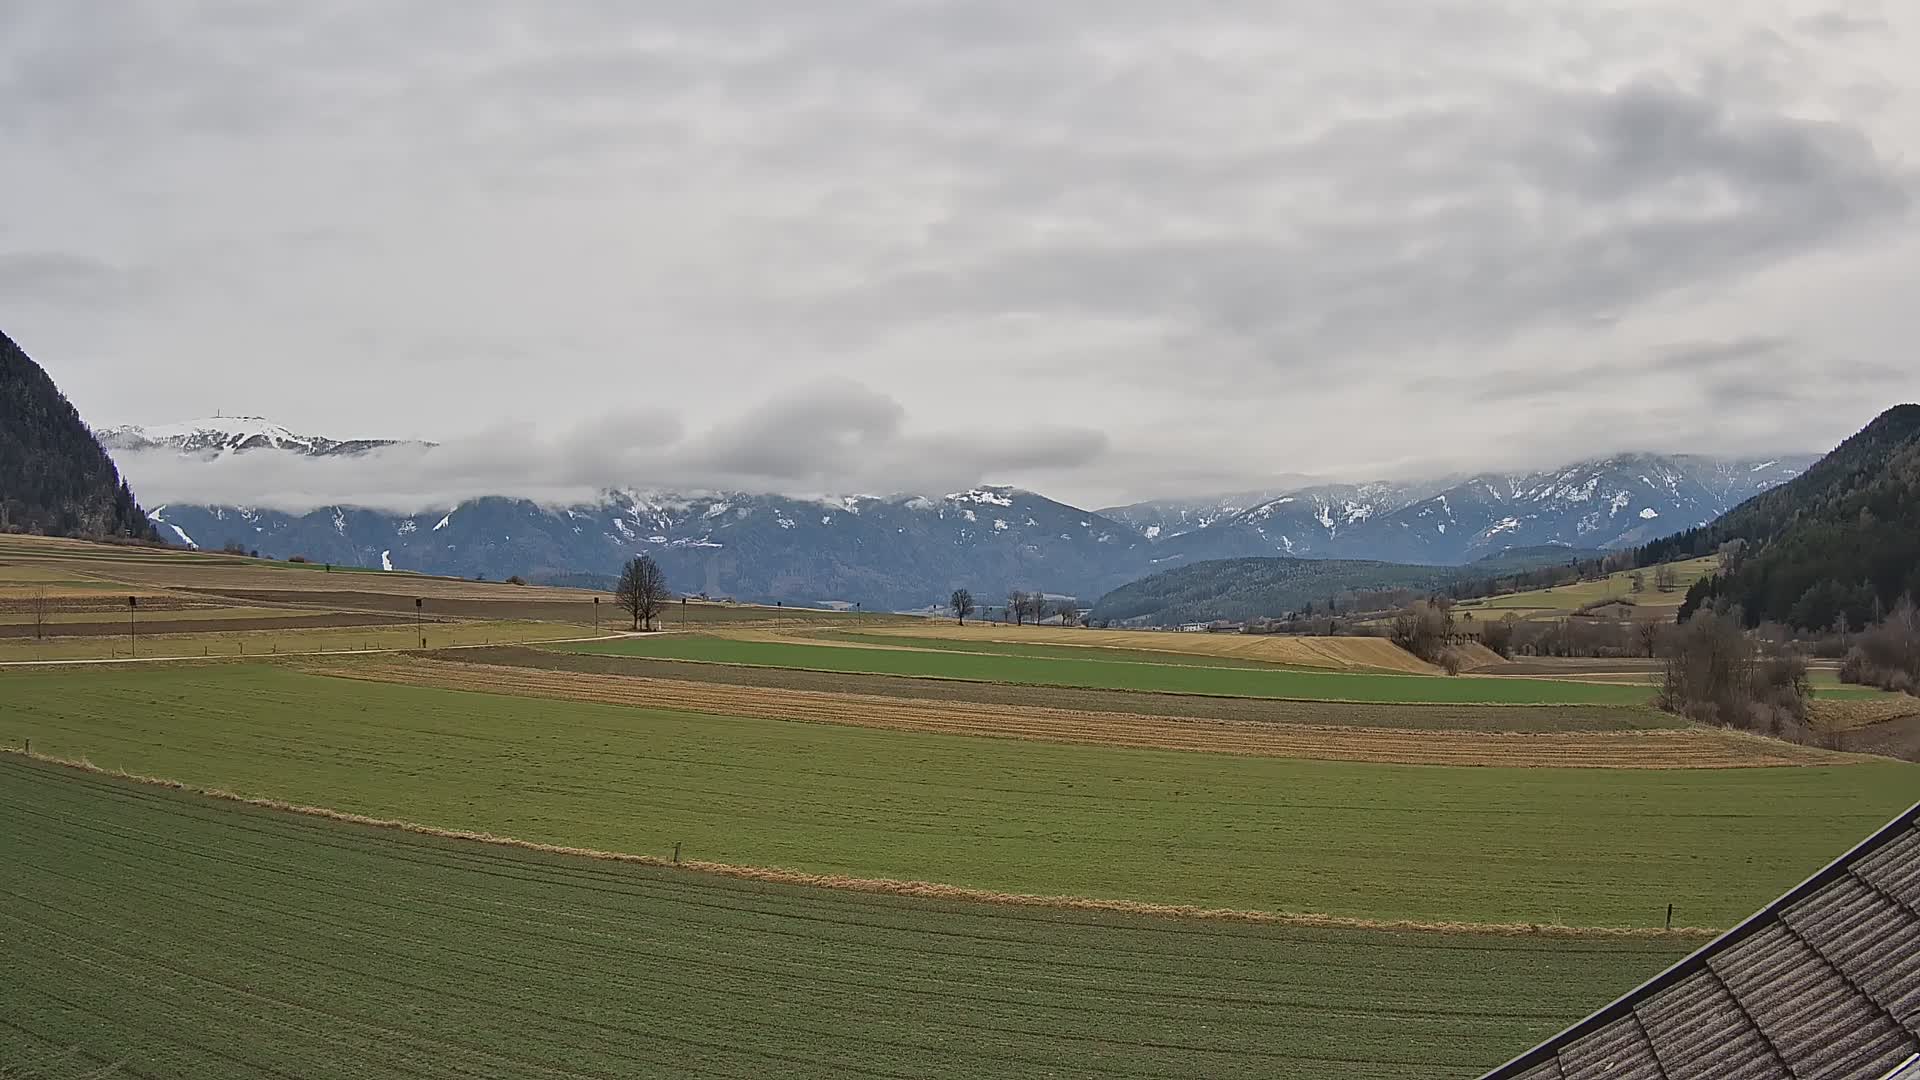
(1895, 738)
(198, 626)
(1684, 749)
(1513, 718)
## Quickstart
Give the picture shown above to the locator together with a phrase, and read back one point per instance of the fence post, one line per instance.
(1669, 916)
(676, 853)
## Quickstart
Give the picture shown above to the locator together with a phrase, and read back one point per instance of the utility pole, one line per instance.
(596, 614)
(418, 627)
(132, 602)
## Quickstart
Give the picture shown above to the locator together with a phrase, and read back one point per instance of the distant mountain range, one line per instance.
(909, 551)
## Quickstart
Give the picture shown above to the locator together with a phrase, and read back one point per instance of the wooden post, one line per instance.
(676, 853)
(1669, 916)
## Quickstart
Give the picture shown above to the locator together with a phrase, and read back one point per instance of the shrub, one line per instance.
(1499, 636)
(1887, 654)
(1712, 676)
(297, 558)
(516, 580)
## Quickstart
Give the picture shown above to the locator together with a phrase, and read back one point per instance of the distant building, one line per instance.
(1193, 628)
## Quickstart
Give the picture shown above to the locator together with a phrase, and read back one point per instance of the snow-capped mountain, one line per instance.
(1614, 502)
(884, 553)
(908, 551)
(225, 434)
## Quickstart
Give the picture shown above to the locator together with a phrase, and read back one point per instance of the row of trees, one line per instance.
(642, 591)
(1022, 607)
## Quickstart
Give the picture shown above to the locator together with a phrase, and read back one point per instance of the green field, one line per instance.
(1575, 846)
(159, 934)
(1048, 651)
(1156, 677)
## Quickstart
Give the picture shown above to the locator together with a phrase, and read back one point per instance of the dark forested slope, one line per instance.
(54, 477)
(1840, 541)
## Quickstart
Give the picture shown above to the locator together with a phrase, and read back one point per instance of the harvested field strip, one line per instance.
(1848, 714)
(277, 639)
(1151, 678)
(186, 937)
(201, 623)
(1685, 749)
(1341, 653)
(1202, 706)
(1384, 842)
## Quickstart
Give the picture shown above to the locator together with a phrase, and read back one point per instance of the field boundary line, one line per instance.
(613, 636)
(927, 890)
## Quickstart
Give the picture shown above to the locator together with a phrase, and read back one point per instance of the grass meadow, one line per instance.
(1582, 847)
(1108, 674)
(160, 934)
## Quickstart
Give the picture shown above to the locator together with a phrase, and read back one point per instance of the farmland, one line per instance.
(983, 851)
(476, 959)
(1119, 675)
(1563, 600)
(1480, 844)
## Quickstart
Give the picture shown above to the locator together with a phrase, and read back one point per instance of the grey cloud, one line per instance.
(1184, 226)
(62, 278)
(823, 439)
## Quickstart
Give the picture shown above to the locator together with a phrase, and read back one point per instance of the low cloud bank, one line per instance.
(827, 438)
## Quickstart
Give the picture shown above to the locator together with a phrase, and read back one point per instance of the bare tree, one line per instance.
(1664, 578)
(1068, 610)
(962, 604)
(1017, 606)
(1638, 581)
(642, 591)
(1423, 630)
(1038, 607)
(1646, 633)
(38, 605)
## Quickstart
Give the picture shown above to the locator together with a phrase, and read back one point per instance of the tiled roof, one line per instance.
(1824, 984)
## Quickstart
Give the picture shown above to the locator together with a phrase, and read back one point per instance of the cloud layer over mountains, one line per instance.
(1107, 248)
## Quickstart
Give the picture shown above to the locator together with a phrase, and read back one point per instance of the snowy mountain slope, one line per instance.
(909, 551)
(226, 434)
(883, 553)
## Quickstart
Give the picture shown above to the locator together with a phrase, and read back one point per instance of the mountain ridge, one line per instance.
(909, 551)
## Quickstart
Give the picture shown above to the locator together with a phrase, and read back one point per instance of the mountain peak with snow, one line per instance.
(215, 435)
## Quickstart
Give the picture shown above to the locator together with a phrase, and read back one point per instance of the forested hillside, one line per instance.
(54, 477)
(1842, 541)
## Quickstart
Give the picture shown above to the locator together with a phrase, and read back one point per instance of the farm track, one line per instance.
(178, 936)
(1681, 749)
(1517, 718)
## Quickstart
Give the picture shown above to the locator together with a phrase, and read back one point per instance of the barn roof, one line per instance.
(1824, 982)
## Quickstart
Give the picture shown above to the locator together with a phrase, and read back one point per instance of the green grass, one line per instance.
(1046, 651)
(1109, 675)
(174, 936)
(1574, 846)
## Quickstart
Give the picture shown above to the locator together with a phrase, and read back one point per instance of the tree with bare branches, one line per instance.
(962, 604)
(39, 605)
(1017, 606)
(642, 591)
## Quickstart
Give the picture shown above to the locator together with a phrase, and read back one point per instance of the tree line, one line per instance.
(1022, 607)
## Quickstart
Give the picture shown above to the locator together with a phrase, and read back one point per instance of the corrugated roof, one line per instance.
(1823, 984)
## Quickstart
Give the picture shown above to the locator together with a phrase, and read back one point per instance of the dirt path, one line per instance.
(1660, 749)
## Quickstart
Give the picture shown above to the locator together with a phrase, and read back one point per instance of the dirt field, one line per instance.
(1341, 653)
(1642, 749)
(1516, 718)
(212, 624)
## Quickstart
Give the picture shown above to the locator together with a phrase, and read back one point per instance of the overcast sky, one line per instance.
(1107, 249)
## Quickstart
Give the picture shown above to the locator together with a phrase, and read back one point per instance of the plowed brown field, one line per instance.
(1669, 749)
